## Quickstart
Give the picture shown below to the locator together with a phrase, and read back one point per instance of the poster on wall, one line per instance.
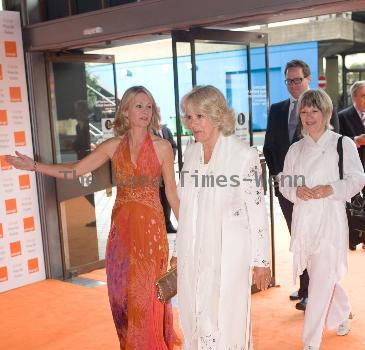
(107, 128)
(21, 250)
(241, 130)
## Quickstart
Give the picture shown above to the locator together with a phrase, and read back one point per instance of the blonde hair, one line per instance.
(318, 99)
(121, 122)
(209, 101)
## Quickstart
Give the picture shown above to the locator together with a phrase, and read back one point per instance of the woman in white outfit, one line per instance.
(319, 240)
(223, 231)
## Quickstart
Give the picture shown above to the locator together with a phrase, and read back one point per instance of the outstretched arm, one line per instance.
(68, 170)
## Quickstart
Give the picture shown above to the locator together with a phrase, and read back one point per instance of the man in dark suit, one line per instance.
(352, 122)
(282, 130)
(166, 134)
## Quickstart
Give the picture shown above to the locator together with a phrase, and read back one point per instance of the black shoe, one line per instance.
(171, 229)
(294, 296)
(352, 247)
(302, 304)
(91, 224)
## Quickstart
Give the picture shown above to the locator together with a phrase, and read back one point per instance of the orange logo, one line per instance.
(3, 117)
(15, 249)
(1, 72)
(10, 49)
(33, 265)
(10, 206)
(3, 273)
(1, 231)
(15, 94)
(28, 224)
(19, 138)
(4, 165)
(24, 182)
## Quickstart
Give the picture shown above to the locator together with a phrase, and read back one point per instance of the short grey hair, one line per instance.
(317, 99)
(355, 86)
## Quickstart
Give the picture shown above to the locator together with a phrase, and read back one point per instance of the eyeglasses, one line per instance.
(295, 81)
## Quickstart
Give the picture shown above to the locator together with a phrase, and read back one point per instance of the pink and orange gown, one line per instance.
(137, 252)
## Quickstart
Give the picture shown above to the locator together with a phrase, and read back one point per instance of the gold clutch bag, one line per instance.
(166, 285)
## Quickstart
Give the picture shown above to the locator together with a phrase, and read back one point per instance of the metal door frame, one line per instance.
(69, 57)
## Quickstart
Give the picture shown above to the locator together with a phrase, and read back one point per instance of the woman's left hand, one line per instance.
(322, 191)
(261, 277)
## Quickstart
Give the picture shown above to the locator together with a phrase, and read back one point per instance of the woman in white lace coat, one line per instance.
(223, 231)
(319, 238)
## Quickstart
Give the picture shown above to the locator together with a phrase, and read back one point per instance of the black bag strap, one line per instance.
(340, 156)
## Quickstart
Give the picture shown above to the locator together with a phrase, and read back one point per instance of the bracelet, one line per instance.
(34, 166)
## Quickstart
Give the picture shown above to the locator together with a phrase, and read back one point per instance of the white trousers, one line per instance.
(328, 303)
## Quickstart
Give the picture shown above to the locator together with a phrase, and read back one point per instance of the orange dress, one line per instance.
(137, 252)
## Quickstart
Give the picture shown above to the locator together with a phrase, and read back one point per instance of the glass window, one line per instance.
(56, 9)
(355, 61)
(87, 5)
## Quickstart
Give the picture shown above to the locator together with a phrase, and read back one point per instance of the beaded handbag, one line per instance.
(166, 285)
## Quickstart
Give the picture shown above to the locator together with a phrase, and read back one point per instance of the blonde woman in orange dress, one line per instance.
(137, 249)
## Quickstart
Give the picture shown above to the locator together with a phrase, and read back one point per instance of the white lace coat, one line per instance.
(222, 233)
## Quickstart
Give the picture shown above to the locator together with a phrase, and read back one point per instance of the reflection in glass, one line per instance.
(80, 104)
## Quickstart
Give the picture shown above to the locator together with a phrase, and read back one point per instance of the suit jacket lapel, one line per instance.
(359, 128)
(356, 121)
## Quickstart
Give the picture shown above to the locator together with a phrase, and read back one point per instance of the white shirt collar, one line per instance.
(322, 140)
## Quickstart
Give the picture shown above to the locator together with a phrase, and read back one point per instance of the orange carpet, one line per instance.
(97, 275)
(55, 315)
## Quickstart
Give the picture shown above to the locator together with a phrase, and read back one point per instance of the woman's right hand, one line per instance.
(173, 262)
(21, 161)
(304, 193)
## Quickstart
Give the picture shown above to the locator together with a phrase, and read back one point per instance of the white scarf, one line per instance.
(199, 248)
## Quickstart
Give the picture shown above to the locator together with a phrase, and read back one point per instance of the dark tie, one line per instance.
(293, 121)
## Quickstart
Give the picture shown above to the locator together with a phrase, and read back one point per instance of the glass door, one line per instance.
(82, 110)
(236, 63)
